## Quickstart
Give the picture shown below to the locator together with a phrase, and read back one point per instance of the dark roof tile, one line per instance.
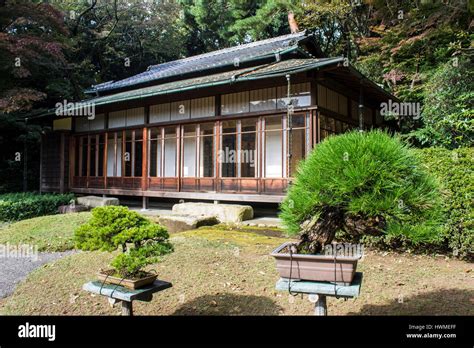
(220, 58)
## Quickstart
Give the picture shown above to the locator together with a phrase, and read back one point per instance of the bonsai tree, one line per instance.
(359, 183)
(113, 227)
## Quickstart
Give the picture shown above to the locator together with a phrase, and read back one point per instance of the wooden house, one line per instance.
(228, 125)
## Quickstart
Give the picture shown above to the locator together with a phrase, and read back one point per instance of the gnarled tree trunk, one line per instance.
(319, 231)
(357, 225)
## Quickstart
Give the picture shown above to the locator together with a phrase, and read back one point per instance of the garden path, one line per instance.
(14, 269)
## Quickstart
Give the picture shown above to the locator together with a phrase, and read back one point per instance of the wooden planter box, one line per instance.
(320, 268)
(106, 277)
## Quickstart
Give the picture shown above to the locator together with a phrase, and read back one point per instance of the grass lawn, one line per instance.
(224, 270)
(49, 233)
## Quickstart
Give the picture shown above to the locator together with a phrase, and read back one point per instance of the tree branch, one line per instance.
(90, 8)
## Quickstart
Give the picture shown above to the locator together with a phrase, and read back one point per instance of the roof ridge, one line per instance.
(233, 48)
(244, 52)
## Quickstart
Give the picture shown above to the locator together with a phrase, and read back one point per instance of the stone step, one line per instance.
(225, 213)
(179, 223)
(76, 208)
(94, 201)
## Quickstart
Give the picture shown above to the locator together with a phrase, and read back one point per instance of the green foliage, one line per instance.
(32, 53)
(265, 20)
(145, 32)
(15, 135)
(20, 206)
(132, 263)
(454, 170)
(405, 53)
(366, 174)
(115, 226)
(448, 113)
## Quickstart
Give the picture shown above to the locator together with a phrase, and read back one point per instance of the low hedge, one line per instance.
(20, 206)
(453, 170)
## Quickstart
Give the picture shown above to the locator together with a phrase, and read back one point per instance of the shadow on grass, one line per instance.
(439, 302)
(229, 304)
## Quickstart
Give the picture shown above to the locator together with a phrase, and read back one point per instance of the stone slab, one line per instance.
(76, 208)
(179, 223)
(94, 201)
(226, 213)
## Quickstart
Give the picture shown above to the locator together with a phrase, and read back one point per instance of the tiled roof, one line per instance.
(216, 59)
(254, 73)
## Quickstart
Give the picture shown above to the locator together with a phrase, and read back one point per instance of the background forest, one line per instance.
(421, 50)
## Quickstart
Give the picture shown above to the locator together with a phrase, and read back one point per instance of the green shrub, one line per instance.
(448, 112)
(141, 240)
(454, 171)
(20, 206)
(362, 184)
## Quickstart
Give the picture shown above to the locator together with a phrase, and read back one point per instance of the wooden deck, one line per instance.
(215, 196)
(271, 190)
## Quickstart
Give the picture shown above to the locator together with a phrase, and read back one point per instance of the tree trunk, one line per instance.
(319, 231)
(357, 225)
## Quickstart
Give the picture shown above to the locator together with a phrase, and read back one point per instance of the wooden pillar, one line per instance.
(106, 151)
(314, 128)
(81, 144)
(315, 113)
(285, 142)
(217, 148)
(72, 160)
(261, 135)
(132, 156)
(145, 167)
(258, 147)
(96, 155)
(122, 160)
(197, 182)
(162, 157)
(238, 138)
(178, 156)
(88, 159)
(61, 163)
(145, 159)
(115, 154)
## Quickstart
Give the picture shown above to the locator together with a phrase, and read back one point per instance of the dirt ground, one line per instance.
(230, 272)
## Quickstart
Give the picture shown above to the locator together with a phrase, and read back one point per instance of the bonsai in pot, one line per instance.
(357, 184)
(141, 241)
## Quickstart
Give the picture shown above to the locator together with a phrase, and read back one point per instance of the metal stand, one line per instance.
(318, 291)
(124, 295)
(320, 307)
(127, 308)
